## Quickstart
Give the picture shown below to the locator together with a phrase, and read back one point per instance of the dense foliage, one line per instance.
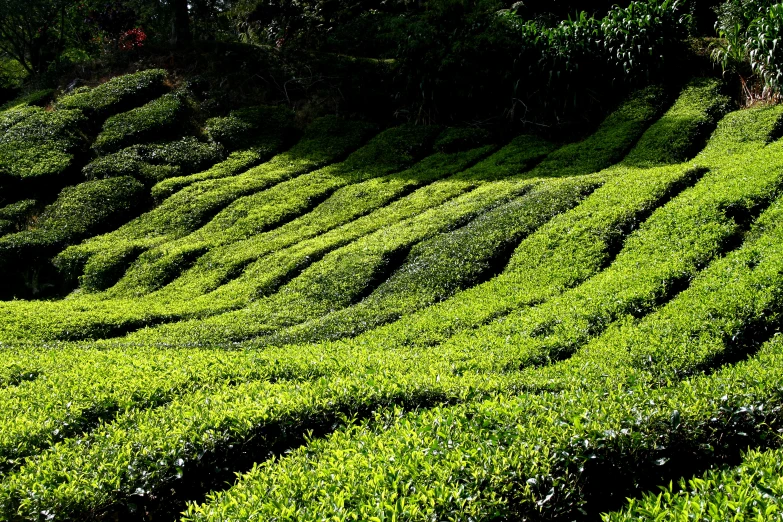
(228, 314)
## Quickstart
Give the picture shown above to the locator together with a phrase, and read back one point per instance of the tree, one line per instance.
(31, 31)
(180, 23)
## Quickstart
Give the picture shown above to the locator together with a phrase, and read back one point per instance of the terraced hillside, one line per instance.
(238, 319)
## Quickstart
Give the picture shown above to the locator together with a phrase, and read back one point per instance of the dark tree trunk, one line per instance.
(180, 24)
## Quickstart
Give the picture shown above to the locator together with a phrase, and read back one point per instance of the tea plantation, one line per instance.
(247, 318)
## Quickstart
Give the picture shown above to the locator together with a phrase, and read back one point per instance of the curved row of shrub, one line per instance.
(243, 409)
(598, 213)
(326, 141)
(695, 112)
(621, 420)
(390, 151)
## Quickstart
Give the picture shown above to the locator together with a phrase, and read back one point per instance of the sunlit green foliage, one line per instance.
(154, 162)
(161, 117)
(37, 143)
(410, 324)
(118, 94)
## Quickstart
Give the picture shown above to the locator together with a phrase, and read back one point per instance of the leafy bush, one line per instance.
(157, 161)
(39, 143)
(236, 163)
(681, 132)
(158, 118)
(455, 139)
(117, 95)
(40, 97)
(750, 491)
(15, 215)
(245, 127)
(79, 211)
(326, 140)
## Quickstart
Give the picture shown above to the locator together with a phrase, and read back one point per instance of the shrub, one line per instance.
(245, 127)
(156, 119)
(39, 98)
(39, 143)
(15, 215)
(326, 140)
(78, 212)
(456, 139)
(117, 95)
(156, 161)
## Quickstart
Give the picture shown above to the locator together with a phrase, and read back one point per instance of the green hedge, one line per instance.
(76, 319)
(612, 139)
(673, 245)
(750, 491)
(39, 143)
(236, 163)
(154, 162)
(392, 150)
(161, 117)
(79, 211)
(536, 456)
(39, 98)
(10, 117)
(367, 197)
(455, 139)
(116, 95)
(447, 263)
(326, 140)
(680, 133)
(243, 128)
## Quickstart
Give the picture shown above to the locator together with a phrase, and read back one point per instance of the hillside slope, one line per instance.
(238, 319)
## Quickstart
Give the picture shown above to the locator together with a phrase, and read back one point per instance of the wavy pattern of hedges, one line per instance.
(259, 322)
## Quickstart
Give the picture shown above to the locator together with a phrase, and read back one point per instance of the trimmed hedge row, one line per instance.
(582, 372)
(144, 451)
(451, 261)
(154, 162)
(327, 140)
(328, 284)
(116, 391)
(680, 133)
(90, 316)
(159, 118)
(527, 280)
(563, 253)
(390, 151)
(499, 166)
(236, 163)
(39, 98)
(79, 211)
(750, 491)
(368, 198)
(536, 456)
(36, 143)
(727, 312)
(247, 127)
(677, 241)
(74, 389)
(612, 140)
(10, 117)
(116, 95)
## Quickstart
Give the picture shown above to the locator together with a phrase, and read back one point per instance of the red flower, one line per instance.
(132, 39)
